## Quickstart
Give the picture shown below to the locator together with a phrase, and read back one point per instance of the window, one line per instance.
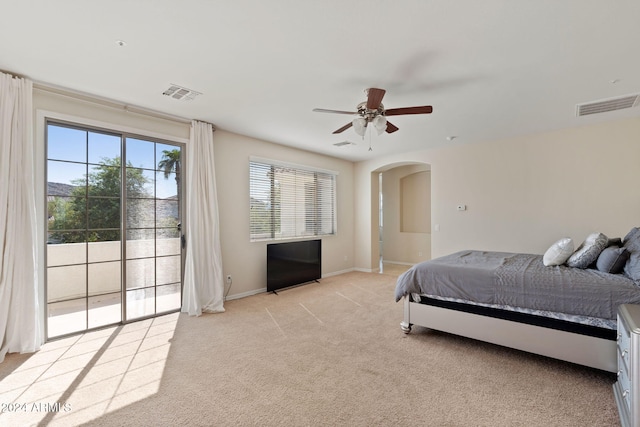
(288, 201)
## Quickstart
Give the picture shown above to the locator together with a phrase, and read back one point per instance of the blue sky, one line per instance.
(67, 145)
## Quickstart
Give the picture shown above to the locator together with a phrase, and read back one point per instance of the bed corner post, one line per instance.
(405, 325)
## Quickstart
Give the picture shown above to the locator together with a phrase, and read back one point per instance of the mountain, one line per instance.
(59, 189)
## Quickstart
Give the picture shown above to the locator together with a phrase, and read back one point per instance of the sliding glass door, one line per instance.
(153, 239)
(114, 249)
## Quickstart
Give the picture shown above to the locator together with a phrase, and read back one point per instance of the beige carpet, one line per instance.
(324, 354)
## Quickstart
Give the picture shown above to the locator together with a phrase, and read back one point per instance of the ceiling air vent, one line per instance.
(607, 105)
(343, 143)
(180, 93)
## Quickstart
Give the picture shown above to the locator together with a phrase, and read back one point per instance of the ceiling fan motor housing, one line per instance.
(369, 114)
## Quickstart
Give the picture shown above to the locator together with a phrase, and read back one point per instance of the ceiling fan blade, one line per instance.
(391, 128)
(343, 128)
(374, 98)
(323, 110)
(427, 109)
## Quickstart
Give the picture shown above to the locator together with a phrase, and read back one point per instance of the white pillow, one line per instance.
(559, 252)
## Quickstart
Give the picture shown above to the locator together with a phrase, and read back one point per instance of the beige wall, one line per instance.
(104, 115)
(407, 200)
(245, 261)
(415, 202)
(521, 194)
(524, 193)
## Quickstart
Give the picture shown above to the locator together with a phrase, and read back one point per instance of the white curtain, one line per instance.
(19, 309)
(203, 277)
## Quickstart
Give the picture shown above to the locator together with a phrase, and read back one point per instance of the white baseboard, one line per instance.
(366, 270)
(245, 294)
(398, 262)
(336, 273)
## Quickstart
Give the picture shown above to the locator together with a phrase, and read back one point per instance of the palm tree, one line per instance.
(171, 163)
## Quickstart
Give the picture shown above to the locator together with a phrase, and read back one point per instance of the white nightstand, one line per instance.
(627, 389)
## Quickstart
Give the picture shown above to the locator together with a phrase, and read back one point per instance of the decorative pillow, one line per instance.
(559, 252)
(632, 235)
(632, 244)
(616, 241)
(612, 260)
(588, 252)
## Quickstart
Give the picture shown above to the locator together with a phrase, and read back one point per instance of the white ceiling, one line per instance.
(491, 69)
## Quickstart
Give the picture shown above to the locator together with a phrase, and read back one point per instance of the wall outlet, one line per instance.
(229, 279)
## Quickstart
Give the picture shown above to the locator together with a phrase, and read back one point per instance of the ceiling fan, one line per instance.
(372, 111)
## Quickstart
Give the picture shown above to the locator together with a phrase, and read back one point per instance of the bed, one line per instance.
(515, 300)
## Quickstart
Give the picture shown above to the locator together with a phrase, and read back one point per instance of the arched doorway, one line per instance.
(401, 218)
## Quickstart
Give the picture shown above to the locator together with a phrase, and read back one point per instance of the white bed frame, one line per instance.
(584, 350)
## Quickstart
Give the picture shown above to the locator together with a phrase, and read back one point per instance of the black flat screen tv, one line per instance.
(293, 263)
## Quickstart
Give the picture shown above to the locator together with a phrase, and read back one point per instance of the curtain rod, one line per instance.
(94, 99)
(12, 74)
(208, 123)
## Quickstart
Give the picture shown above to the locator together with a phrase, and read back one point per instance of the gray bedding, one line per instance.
(520, 280)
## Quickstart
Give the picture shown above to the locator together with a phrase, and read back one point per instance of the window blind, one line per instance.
(289, 201)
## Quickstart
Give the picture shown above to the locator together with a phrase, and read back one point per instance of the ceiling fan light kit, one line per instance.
(360, 125)
(380, 123)
(372, 111)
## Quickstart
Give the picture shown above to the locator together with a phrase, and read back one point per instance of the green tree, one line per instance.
(171, 162)
(92, 212)
(260, 217)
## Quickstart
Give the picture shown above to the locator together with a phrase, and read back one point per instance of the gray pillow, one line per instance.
(588, 252)
(616, 241)
(612, 260)
(632, 235)
(632, 244)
